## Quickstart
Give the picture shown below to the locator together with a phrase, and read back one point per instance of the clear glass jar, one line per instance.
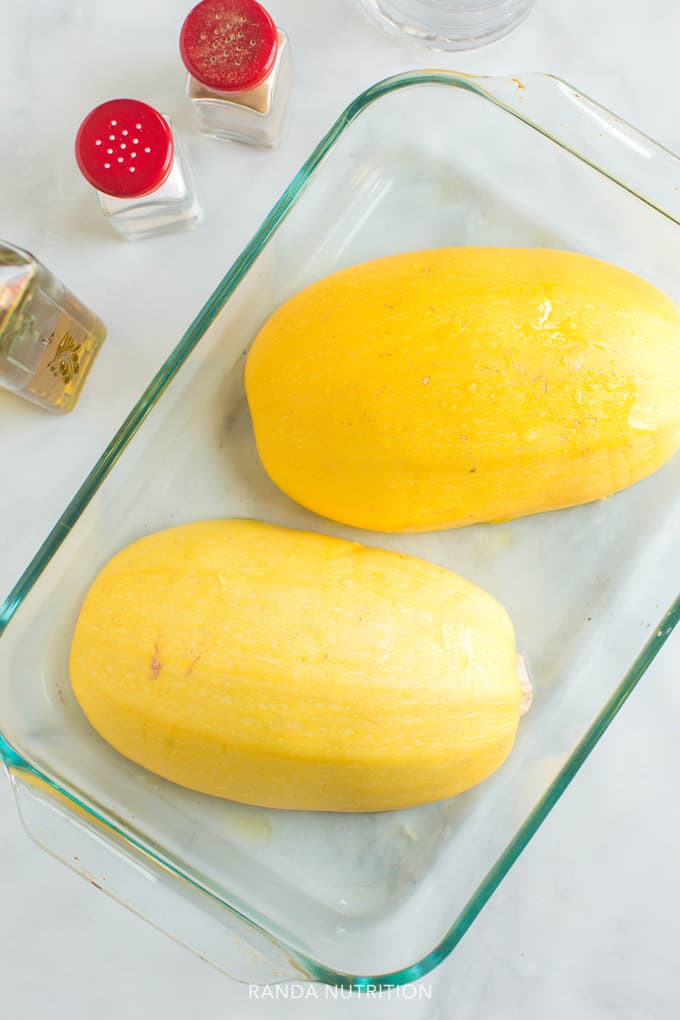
(127, 151)
(48, 338)
(240, 72)
(448, 24)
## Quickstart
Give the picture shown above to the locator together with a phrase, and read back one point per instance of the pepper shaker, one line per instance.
(127, 151)
(240, 72)
(48, 338)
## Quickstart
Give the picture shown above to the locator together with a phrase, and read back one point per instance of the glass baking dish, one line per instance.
(419, 160)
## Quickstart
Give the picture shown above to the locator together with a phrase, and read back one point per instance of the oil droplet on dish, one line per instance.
(251, 825)
(495, 538)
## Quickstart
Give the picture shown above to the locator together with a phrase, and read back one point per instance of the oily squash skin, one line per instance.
(293, 670)
(441, 388)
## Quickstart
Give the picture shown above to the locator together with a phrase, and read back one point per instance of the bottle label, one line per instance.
(64, 363)
(65, 348)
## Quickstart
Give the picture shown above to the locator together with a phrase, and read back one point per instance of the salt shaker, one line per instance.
(48, 339)
(239, 68)
(127, 151)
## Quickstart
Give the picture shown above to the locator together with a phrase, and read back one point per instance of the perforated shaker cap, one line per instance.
(229, 45)
(124, 148)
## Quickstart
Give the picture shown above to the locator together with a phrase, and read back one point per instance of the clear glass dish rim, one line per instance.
(315, 970)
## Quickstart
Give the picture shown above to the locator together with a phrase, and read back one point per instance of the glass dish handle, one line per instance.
(171, 904)
(578, 124)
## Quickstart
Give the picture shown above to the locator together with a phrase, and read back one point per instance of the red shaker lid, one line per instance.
(229, 45)
(125, 148)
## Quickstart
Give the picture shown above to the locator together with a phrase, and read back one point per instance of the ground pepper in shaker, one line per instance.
(127, 151)
(239, 68)
(48, 339)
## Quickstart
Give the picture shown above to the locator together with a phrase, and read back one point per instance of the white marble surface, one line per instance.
(586, 923)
